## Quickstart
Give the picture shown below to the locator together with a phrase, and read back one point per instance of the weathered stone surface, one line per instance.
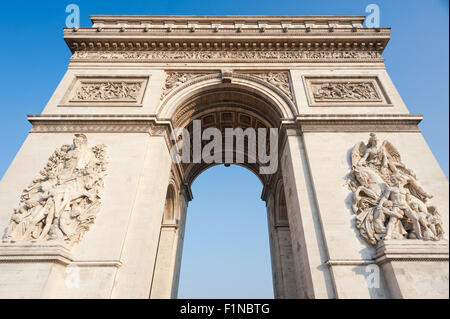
(133, 79)
(389, 201)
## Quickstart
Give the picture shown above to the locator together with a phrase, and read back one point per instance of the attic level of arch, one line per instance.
(230, 24)
(214, 33)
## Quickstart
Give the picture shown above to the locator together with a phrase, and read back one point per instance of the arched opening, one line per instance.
(226, 242)
(282, 217)
(165, 277)
(285, 285)
(228, 107)
(169, 206)
(246, 106)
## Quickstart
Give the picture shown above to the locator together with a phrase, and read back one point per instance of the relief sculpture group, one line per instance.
(63, 201)
(388, 200)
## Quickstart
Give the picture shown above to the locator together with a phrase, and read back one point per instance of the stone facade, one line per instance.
(358, 207)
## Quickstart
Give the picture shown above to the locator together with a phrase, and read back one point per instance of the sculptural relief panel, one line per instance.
(345, 91)
(63, 201)
(388, 200)
(108, 91)
(174, 80)
(279, 79)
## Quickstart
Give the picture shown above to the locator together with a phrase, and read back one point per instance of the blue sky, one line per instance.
(34, 58)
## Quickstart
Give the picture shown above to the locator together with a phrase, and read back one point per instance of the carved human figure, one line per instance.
(32, 211)
(435, 222)
(71, 183)
(399, 197)
(374, 153)
(407, 180)
(388, 200)
(43, 214)
(107, 91)
(346, 91)
(63, 202)
(394, 228)
(422, 213)
(175, 79)
(180, 144)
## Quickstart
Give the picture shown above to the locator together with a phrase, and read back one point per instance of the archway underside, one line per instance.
(227, 106)
(222, 108)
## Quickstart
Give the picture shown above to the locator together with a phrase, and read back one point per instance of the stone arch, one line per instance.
(247, 99)
(281, 216)
(166, 273)
(170, 215)
(237, 101)
(285, 281)
(178, 95)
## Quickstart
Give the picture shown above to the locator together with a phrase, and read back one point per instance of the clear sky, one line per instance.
(220, 263)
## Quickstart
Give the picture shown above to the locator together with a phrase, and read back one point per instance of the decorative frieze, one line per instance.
(278, 79)
(176, 79)
(110, 91)
(107, 91)
(206, 56)
(345, 91)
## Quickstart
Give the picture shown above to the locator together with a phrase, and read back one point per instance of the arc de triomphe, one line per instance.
(93, 206)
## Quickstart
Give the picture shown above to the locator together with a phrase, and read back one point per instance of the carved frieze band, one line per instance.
(345, 91)
(205, 56)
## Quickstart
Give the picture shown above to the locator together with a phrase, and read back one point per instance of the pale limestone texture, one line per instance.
(63, 201)
(388, 200)
(133, 79)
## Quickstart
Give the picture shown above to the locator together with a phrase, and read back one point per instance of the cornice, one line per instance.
(349, 262)
(302, 120)
(132, 40)
(411, 250)
(358, 122)
(186, 34)
(100, 123)
(21, 252)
